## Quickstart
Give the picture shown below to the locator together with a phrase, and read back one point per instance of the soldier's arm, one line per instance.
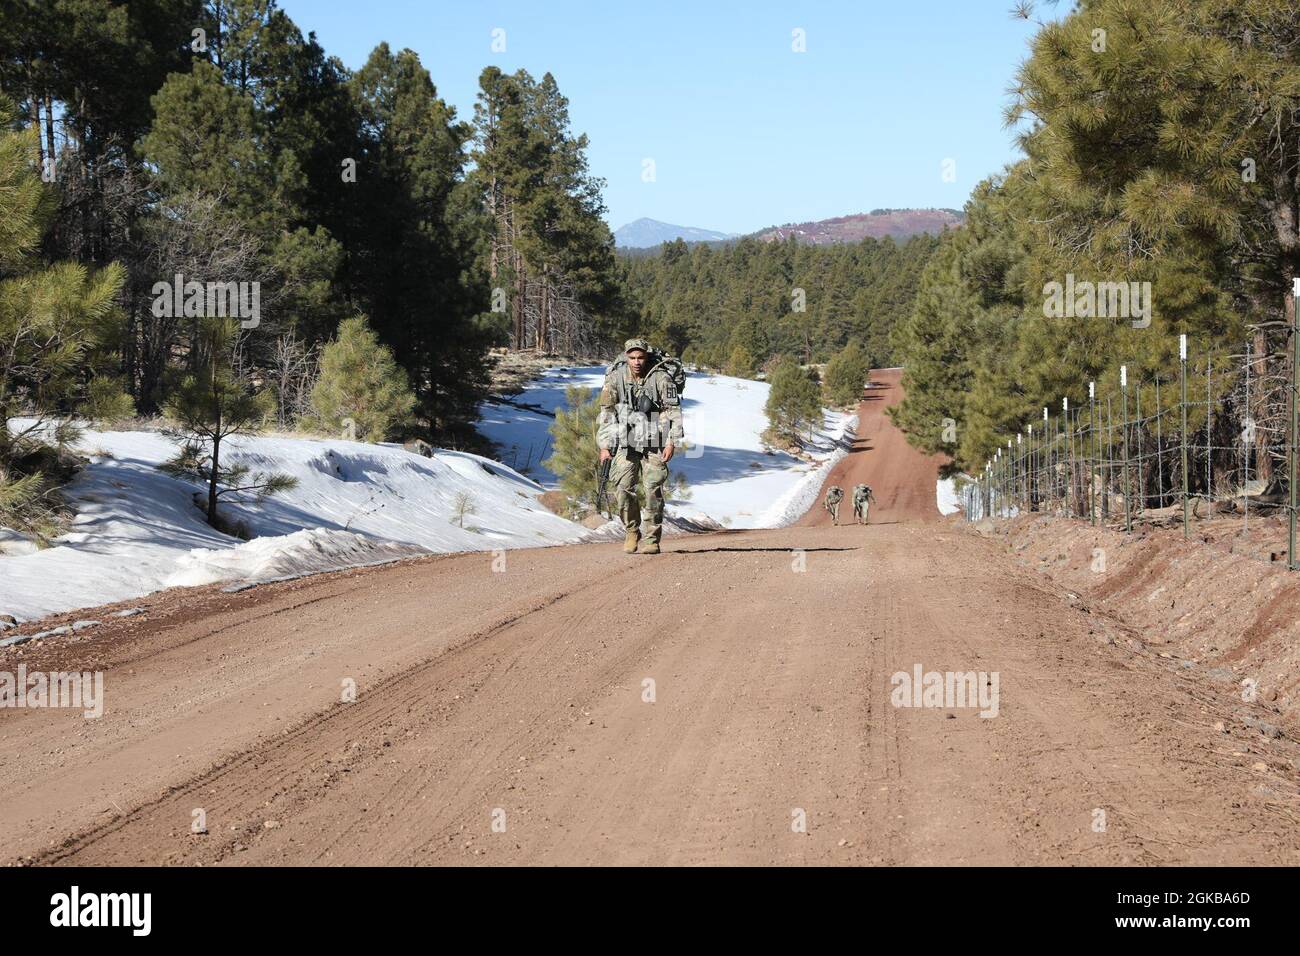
(607, 421)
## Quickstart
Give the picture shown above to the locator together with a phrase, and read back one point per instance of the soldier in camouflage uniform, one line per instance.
(640, 426)
(862, 498)
(832, 504)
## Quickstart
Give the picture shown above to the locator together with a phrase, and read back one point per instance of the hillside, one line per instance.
(877, 224)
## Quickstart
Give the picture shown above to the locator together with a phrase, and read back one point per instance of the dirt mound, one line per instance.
(1214, 603)
(901, 477)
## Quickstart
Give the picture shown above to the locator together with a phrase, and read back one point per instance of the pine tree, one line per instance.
(209, 408)
(53, 320)
(361, 382)
(846, 375)
(740, 363)
(574, 453)
(793, 403)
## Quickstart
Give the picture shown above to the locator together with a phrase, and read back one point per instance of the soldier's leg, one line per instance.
(654, 475)
(623, 474)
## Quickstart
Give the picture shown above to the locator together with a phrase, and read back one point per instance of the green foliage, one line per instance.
(794, 402)
(107, 401)
(846, 375)
(55, 320)
(740, 363)
(361, 381)
(550, 236)
(713, 299)
(574, 452)
(417, 233)
(206, 410)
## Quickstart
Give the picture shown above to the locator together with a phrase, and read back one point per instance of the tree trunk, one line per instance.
(49, 124)
(216, 448)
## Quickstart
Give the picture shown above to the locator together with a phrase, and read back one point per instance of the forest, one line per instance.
(1161, 146)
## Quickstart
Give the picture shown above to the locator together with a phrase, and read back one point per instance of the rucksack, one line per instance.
(672, 366)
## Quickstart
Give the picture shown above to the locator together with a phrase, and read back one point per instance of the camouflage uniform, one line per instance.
(861, 502)
(833, 498)
(638, 418)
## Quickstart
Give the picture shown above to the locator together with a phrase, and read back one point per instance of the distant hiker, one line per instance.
(639, 428)
(862, 498)
(832, 504)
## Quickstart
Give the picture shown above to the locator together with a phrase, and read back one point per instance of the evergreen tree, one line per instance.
(574, 452)
(361, 382)
(793, 402)
(207, 409)
(846, 375)
(55, 321)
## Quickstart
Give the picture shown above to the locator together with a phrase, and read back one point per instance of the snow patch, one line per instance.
(303, 552)
(945, 492)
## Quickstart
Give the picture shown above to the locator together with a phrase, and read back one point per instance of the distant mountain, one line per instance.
(651, 232)
(899, 223)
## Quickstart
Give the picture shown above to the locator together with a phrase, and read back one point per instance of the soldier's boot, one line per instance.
(628, 509)
(631, 526)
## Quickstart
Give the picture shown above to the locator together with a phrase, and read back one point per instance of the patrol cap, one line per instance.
(631, 344)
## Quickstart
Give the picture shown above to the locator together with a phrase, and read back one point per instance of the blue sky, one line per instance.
(743, 132)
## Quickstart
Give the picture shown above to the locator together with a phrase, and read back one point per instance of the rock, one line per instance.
(1272, 731)
(1220, 727)
(419, 446)
(271, 824)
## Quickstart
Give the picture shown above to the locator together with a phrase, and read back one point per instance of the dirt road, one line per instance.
(728, 701)
(901, 478)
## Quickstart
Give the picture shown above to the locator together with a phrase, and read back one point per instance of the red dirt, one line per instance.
(901, 478)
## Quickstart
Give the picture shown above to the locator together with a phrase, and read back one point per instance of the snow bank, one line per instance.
(945, 492)
(137, 530)
(733, 479)
(303, 552)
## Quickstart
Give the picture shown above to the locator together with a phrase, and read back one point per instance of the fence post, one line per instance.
(1295, 425)
(1128, 491)
(1024, 486)
(1209, 438)
(1047, 461)
(1182, 365)
(1096, 444)
(1245, 465)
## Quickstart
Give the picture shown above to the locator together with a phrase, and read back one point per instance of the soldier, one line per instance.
(862, 498)
(833, 498)
(640, 426)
